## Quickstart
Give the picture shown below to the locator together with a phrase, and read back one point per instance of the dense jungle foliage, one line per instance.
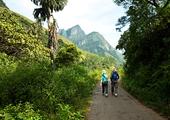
(146, 45)
(29, 87)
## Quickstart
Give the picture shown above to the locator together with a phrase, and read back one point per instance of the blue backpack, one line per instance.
(114, 76)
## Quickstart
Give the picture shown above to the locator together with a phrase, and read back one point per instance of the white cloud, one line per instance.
(91, 15)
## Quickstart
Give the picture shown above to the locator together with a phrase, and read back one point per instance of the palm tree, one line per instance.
(45, 12)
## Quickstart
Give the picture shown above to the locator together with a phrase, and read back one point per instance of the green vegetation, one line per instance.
(146, 44)
(29, 87)
(20, 112)
(16, 40)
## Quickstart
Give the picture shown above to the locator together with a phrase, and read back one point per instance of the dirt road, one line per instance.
(123, 107)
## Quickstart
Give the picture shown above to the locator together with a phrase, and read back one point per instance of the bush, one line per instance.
(67, 55)
(66, 113)
(44, 88)
(152, 87)
(20, 112)
(24, 83)
(71, 85)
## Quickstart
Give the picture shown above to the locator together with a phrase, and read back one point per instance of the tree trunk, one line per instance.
(52, 39)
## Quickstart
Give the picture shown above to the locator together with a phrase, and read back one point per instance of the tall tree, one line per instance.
(46, 12)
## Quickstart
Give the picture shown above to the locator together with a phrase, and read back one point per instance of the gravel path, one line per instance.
(123, 107)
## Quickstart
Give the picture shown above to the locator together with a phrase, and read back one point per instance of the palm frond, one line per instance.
(47, 7)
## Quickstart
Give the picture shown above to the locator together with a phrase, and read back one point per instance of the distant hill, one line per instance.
(93, 42)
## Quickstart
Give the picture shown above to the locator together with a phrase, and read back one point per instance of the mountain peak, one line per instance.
(95, 33)
(76, 26)
(93, 42)
(74, 33)
(96, 36)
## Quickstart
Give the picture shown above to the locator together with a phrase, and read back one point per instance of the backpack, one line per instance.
(114, 76)
(104, 79)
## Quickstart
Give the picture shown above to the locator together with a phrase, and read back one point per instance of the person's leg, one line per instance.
(102, 88)
(116, 87)
(107, 88)
(112, 87)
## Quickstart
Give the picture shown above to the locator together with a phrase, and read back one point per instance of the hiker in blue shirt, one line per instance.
(114, 82)
(104, 82)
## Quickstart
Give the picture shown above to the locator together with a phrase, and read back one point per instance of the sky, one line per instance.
(92, 15)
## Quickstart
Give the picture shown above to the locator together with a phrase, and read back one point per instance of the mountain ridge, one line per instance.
(93, 42)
